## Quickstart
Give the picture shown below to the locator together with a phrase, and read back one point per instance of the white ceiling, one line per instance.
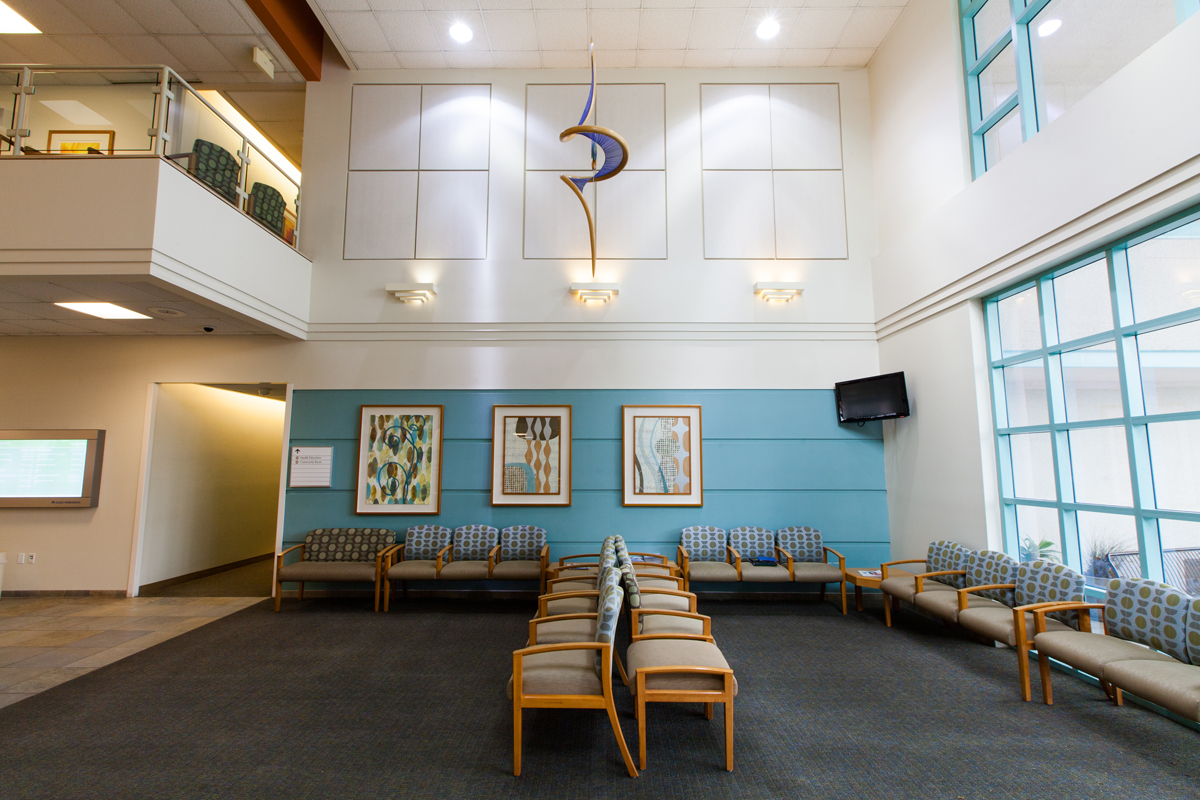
(385, 34)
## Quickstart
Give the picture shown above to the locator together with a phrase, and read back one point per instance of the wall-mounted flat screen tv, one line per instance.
(50, 469)
(880, 397)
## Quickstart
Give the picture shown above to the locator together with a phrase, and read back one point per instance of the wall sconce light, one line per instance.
(777, 292)
(595, 292)
(412, 292)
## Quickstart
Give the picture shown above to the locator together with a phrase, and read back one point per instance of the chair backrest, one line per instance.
(217, 167)
(704, 543)
(947, 555)
(474, 542)
(752, 542)
(985, 567)
(522, 543)
(608, 612)
(267, 206)
(801, 542)
(1193, 632)
(346, 544)
(1150, 613)
(424, 542)
(633, 593)
(1048, 582)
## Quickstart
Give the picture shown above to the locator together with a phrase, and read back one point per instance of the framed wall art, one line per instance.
(80, 143)
(661, 456)
(400, 460)
(531, 455)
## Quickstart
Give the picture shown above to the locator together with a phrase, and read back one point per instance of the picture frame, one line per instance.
(531, 455)
(76, 143)
(399, 460)
(662, 463)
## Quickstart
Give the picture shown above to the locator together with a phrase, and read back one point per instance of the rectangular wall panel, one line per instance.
(455, 127)
(806, 128)
(810, 214)
(739, 219)
(555, 225)
(381, 210)
(735, 126)
(452, 215)
(548, 111)
(637, 112)
(385, 125)
(631, 215)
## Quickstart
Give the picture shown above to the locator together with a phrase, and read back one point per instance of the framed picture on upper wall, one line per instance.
(531, 455)
(80, 143)
(661, 456)
(400, 460)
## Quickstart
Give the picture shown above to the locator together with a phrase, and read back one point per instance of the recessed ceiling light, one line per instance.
(461, 33)
(768, 28)
(12, 22)
(103, 310)
(1048, 27)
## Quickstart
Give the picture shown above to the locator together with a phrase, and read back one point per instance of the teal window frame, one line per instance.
(1124, 332)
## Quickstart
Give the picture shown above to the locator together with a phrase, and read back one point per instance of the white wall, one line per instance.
(214, 480)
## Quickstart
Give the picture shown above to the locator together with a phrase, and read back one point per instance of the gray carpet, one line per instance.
(329, 700)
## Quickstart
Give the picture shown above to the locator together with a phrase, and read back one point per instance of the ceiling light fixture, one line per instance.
(768, 28)
(461, 33)
(103, 310)
(595, 292)
(412, 292)
(772, 291)
(12, 22)
(1048, 27)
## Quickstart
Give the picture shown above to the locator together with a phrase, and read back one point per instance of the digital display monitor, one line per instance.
(50, 469)
(879, 397)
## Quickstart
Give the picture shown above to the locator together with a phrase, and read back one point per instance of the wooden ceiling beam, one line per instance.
(296, 29)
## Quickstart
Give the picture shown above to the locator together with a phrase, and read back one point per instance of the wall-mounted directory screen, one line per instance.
(50, 468)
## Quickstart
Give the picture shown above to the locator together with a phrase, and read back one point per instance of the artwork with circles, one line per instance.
(531, 455)
(400, 460)
(662, 460)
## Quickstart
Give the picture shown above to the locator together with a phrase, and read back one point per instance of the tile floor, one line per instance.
(46, 641)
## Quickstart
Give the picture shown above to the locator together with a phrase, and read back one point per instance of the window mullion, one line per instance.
(1026, 95)
(1064, 486)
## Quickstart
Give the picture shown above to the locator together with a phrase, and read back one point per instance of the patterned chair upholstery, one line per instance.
(703, 555)
(747, 543)
(524, 554)
(942, 555)
(425, 547)
(984, 568)
(807, 558)
(1149, 613)
(1048, 582)
(1174, 686)
(475, 546)
(335, 555)
(801, 542)
(214, 166)
(267, 205)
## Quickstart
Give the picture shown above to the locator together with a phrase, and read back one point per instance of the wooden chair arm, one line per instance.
(636, 622)
(653, 555)
(658, 576)
(534, 650)
(737, 562)
(1039, 615)
(384, 557)
(674, 593)
(883, 568)
(696, 670)
(290, 549)
(533, 623)
(841, 558)
(562, 561)
(492, 554)
(545, 556)
(1019, 618)
(779, 551)
(962, 593)
(448, 548)
(569, 578)
(545, 599)
(682, 555)
(920, 579)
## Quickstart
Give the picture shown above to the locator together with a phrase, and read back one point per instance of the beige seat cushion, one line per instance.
(657, 583)
(328, 571)
(571, 605)
(1172, 685)
(669, 602)
(567, 630)
(777, 574)
(464, 571)
(573, 586)
(562, 672)
(1090, 652)
(997, 623)
(517, 571)
(647, 567)
(677, 653)
(665, 623)
(708, 571)
(814, 572)
(944, 605)
(413, 571)
(904, 587)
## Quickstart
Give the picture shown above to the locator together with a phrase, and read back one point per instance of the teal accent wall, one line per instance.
(771, 458)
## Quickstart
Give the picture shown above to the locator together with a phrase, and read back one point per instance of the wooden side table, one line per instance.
(855, 576)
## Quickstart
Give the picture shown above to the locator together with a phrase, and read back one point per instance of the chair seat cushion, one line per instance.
(517, 571)
(328, 571)
(413, 571)
(567, 630)
(998, 625)
(571, 605)
(1090, 652)
(464, 571)
(777, 574)
(666, 623)
(944, 605)
(813, 572)
(708, 571)
(584, 585)
(669, 602)
(904, 587)
(677, 653)
(562, 672)
(656, 583)
(1173, 685)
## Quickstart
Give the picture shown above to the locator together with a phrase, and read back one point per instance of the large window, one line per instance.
(1028, 61)
(1095, 371)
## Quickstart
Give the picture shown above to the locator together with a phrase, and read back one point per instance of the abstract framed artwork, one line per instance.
(531, 455)
(400, 460)
(80, 143)
(661, 456)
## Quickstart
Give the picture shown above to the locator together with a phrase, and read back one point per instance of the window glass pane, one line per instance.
(1181, 554)
(997, 81)
(1037, 529)
(1076, 45)
(1175, 457)
(1091, 383)
(1100, 466)
(1082, 302)
(1170, 364)
(1032, 466)
(1025, 394)
(1020, 325)
(1002, 138)
(1108, 547)
(990, 22)
(1164, 273)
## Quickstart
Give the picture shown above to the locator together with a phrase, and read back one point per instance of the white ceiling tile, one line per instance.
(471, 59)
(19, 311)
(831, 3)
(616, 59)
(103, 16)
(660, 58)
(559, 4)
(14, 329)
(40, 49)
(722, 3)
(849, 57)
(421, 60)
(716, 30)
(451, 5)
(804, 58)
(159, 16)
(506, 5)
(564, 59)
(49, 16)
(51, 326)
(755, 58)
(358, 31)
(614, 29)
(407, 31)
(214, 16)
(867, 27)
(91, 49)
(779, 4)
(707, 58)
(144, 50)
(238, 50)
(523, 59)
(197, 53)
(614, 3)
(225, 77)
(881, 3)
(254, 22)
(511, 30)
(786, 17)
(46, 292)
(668, 4)
(442, 22)
(818, 27)
(562, 30)
(664, 29)
(350, 5)
(375, 60)
(9, 55)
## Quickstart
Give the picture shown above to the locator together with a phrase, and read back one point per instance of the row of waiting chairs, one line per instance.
(217, 168)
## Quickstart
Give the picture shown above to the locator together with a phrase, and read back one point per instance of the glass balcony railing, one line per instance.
(87, 112)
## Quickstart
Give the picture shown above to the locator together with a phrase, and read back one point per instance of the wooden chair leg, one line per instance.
(843, 597)
(729, 732)
(1023, 670)
(278, 594)
(708, 710)
(387, 594)
(822, 593)
(301, 593)
(377, 594)
(887, 609)
(404, 587)
(641, 718)
(616, 726)
(1118, 696)
(516, 731)
(1044, 670)
(620, 668)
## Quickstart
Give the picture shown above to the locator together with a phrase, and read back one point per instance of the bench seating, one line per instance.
(522, 555)
(339, 555)
(420, 559)
(944, 568)
(471, 554)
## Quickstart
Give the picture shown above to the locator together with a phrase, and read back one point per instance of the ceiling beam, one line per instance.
(296, 29)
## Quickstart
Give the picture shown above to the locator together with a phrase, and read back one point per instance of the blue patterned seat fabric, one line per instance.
(522, 543)
(1149, 613)
(608, 611)
(704, 543)
(801, 543)
(751, 542)
(346, 544)
(1048, 582)
(474, 542)
(947, 555)
(424, 542)
(986, 567)
(1193, 632)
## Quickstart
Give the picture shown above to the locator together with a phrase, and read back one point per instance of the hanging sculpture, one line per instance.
(616, 154)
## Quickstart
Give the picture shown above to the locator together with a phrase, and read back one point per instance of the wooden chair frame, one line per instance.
(684, 560)
(391, 561)
(892, 604)
(779, 551)
(1085, 626)
(533, 624)
(380, 558)
(543, 559)
(707, 697)
(636, 615)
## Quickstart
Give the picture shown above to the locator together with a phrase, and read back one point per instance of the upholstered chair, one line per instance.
(523, 555)
(807, 558)
(704, 555)
(470, 557)
(267, 205)
(213, 165)
(747, 543)
(425, 548)
(1173, 685)
(944, 570)
(990, 588)
(336, 555)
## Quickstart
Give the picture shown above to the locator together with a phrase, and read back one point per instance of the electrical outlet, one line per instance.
(20, 558)
(31, 557)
